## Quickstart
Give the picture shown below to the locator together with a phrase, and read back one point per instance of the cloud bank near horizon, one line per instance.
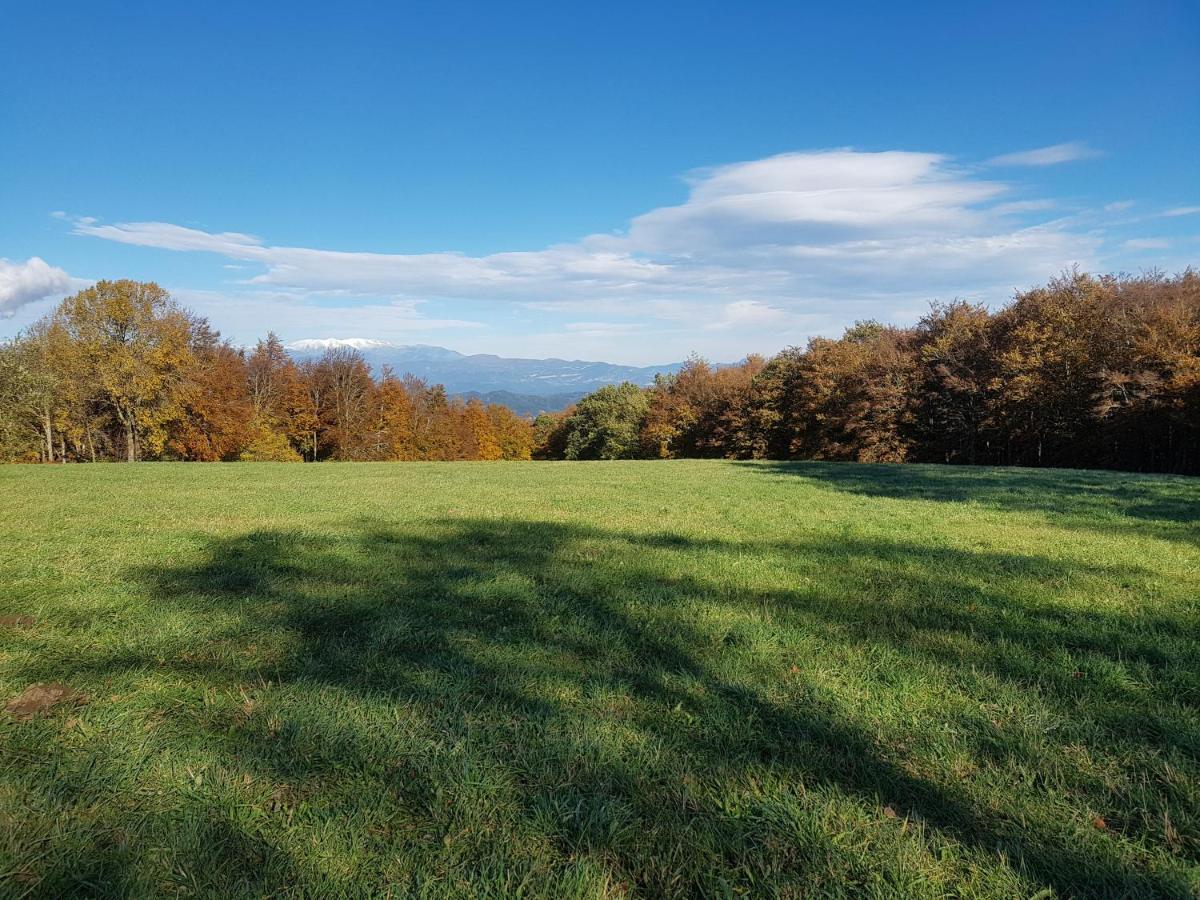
(28, 282)
(773, 250)
(794, 226)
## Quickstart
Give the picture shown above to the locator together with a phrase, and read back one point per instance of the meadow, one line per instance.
(613, 679)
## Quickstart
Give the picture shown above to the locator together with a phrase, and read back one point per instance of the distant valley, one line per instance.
(527, 386)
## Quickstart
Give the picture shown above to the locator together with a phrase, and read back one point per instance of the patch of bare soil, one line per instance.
(37, 698)
(16, 621)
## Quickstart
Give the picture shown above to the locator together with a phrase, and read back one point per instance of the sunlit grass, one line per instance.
(610, 679)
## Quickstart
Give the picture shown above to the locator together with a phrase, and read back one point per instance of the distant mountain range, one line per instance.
(527, 386)
(525, 404)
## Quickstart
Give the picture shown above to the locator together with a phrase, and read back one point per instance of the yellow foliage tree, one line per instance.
(132, 344)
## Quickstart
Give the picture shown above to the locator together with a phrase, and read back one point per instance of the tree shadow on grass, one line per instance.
(1163, 506)
(491, 702)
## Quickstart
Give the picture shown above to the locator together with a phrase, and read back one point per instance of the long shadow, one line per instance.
(1163, 506)
(503, 642)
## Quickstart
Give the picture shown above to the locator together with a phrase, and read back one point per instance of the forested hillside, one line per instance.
(120, 372)
(1084, 372)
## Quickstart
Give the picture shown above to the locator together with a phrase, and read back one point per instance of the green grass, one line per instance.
(600, 679)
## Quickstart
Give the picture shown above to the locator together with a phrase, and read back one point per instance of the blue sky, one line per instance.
(629, 182)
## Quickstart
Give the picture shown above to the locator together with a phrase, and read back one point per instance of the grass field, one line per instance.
(598, 679)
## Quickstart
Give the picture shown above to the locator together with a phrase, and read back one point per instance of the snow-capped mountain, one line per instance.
(559, 381)
(320, 344)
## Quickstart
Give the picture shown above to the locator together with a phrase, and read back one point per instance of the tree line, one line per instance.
(1088, 372)
(119, 371)
(1082, 372)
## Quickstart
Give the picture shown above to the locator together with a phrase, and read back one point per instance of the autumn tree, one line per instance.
(514, 435)
(350, 395)
(477, 435)
(844, 399)
(272, 382)
(702, 411)
(1053, 346)
(31, 393)
(955, 385)
(22, 410)
(397, 416)
(313, 416)
(1148, 404)
(777, 415)
(1083, 371)
(131, 343)
(215, 412)
(435, 433)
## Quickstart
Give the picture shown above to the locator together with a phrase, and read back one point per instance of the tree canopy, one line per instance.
(120, 372)
(1084, 372)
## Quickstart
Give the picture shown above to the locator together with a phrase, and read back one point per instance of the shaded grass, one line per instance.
(601, 680)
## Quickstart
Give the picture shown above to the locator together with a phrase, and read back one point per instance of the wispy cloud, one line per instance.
(1146, 244)
(758, 254)
(28, 282)
(1181, 211)
(790, 226)
(1046, 156)
(251, 313)
(752, 314)
(1024, 206)
(603, 330)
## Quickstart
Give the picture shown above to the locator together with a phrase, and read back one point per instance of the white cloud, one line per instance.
(1118, 206)
(1046, 156)
(758, 254)
(28, 282)
(249, 314)
(750, 314)
(601, 330)
(1146, 244)
(789, 227)
(1182, 211)
(173, 237)
(802, 198)
(1023, 206)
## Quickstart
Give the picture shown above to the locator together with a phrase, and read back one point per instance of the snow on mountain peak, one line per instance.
(328, 343)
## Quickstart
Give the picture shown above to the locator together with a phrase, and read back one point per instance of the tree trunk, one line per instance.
(48, 427)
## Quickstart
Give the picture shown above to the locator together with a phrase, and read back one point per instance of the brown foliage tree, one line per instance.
(215, 413)
(1083, 371)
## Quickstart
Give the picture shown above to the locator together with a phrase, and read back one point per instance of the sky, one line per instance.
(629, 182)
